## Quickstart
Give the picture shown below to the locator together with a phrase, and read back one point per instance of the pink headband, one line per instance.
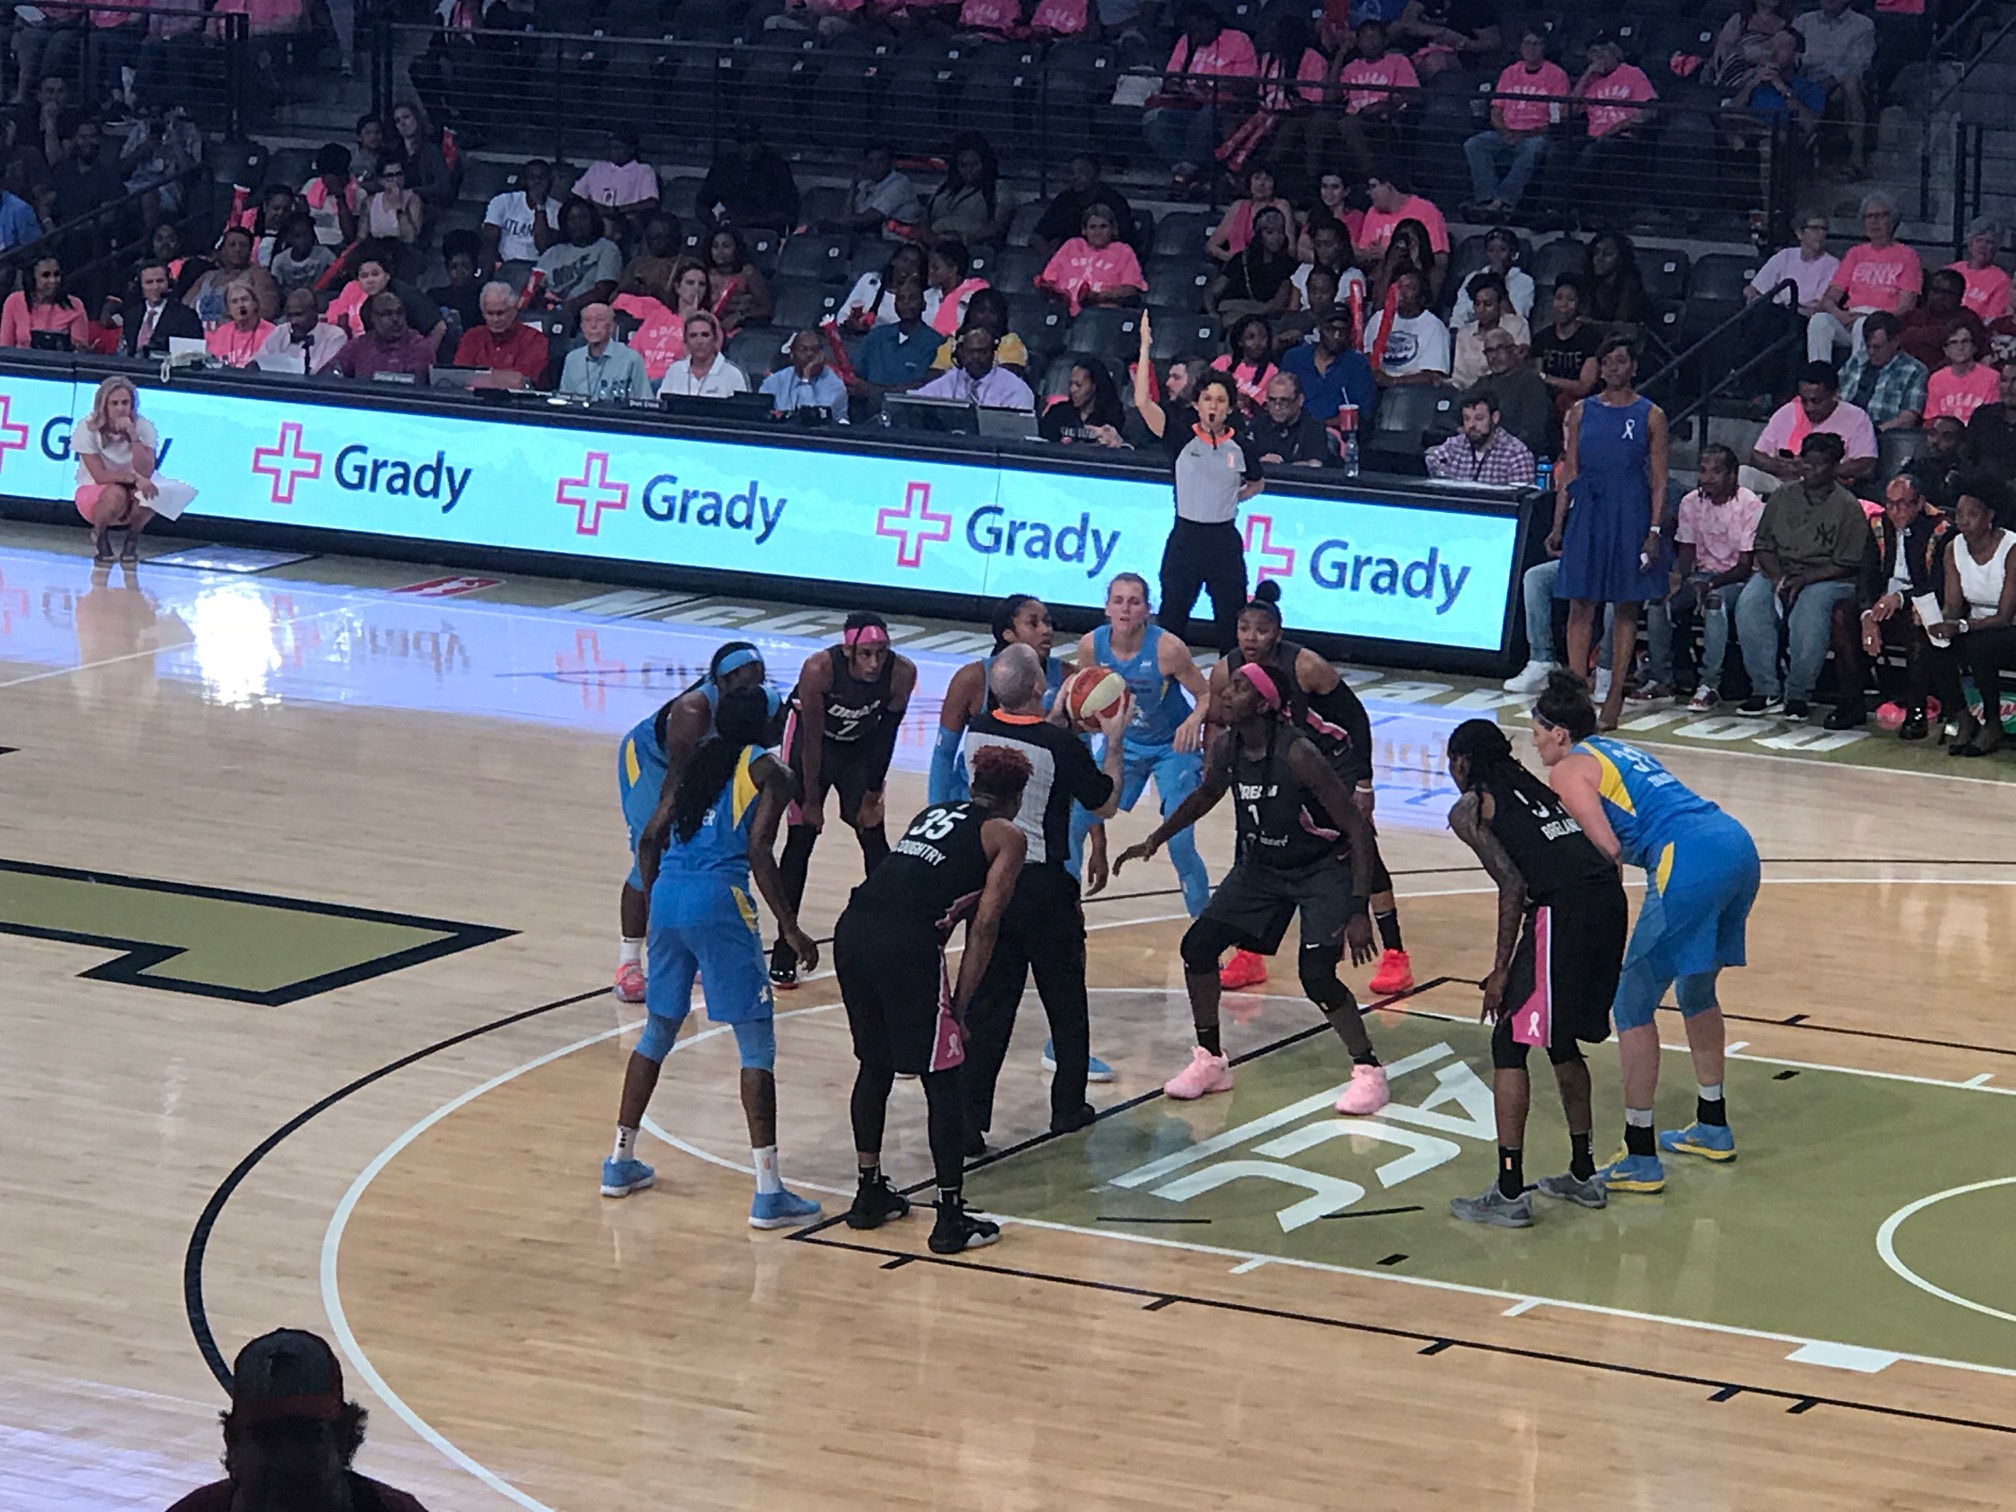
(866, 635)
(1260, 679)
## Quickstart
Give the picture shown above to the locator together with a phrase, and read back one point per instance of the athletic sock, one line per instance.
(1710, 1107)
(1638, 1132)
(767, 1179)
(1389, 929)
(626, 1144)
(1511, 1173)
(630, 951)
(1211, 1040)
(1581, 1159)
(1369, 1058)
(951, 1199)
(870, 1174)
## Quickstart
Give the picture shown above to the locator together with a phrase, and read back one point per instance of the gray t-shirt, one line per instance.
(570, 269)
(1209, 474)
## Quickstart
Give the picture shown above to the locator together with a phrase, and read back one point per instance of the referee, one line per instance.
(1043, 927)
(1217, 468)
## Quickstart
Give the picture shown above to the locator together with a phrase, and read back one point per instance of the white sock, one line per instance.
(626, 1144)
(1711, 1093)
(1639, 1117)
(767, 1179)
(630, 951)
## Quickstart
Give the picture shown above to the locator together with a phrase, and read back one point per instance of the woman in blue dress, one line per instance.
(1609, 492)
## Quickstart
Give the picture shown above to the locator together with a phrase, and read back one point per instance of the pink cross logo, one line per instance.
(285, 463)
(1275, 561)
(916, 511)
(13, 434)
(591, 493)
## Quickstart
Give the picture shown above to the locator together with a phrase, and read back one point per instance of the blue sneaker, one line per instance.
(780, 1209)
(1096, 1070)
(622, 1177)
(1633, 1173)
(1711, 1141)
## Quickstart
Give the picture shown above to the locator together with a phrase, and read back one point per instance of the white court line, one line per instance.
(1886, 1246)
(1520, 1309)
(1979, 1081)
(1244, 1266)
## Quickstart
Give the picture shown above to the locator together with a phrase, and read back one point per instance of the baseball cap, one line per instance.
(1335, 315)
(286, 1374)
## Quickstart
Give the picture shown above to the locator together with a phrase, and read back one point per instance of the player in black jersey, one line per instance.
(847, 708)
(957, 860)
(1561, 926)
(1326, 710)
(1293, 858)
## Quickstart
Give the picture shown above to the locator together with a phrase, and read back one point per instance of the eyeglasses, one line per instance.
(1274, 399)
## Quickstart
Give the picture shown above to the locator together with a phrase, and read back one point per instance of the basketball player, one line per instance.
(647, 768)
(1326, 710)
(957, 860)
(1701, 875)
(846, 710)
(1044, 927)
(1164, 737)
(1292, 859)
(1018, 620)
(714, 830)
(1560, 946)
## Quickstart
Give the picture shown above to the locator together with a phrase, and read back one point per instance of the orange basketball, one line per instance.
(1091, 694)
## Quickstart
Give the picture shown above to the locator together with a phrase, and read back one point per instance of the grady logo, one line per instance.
(13, 434)
(288, 462)
(991, 531)
(664, 499)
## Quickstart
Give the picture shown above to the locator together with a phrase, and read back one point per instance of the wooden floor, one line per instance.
(521, 1341)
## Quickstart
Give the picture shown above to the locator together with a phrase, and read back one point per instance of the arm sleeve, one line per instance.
(948, 767)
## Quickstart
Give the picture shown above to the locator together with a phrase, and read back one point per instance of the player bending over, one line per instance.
(1701, 873)
(647, 768)
(715, 830)
(846, 711)
(1560, 945)
(957, 860)
(1293, 858)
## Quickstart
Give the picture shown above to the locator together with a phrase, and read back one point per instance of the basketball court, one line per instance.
(307, 904)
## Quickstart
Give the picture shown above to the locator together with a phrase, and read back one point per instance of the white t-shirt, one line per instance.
(1981, 582)
(1420, 343)
(511, 213)
(867, 295)
(723, 379)
(1300, 278)
(113, 451)
(1811, 277)
(1518, 286)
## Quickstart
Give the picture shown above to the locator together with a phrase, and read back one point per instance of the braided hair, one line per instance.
(738, 724)
(1483, 744)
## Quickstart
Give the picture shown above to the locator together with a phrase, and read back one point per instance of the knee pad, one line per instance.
(660, 1030)
(1564, 1054)
(1507, 1054)
(1316, 966)
(1696, 994)
(756, 1043)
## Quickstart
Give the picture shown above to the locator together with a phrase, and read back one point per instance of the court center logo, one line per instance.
(591, 493)
(286, 462)
(13, 434)
(913, 525)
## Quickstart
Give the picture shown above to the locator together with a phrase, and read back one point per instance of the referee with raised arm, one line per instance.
(1043, 927)
(1217, 468)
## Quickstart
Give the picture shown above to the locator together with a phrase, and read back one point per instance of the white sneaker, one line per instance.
(1530, 678)
(1603, 675)
(1704, 699)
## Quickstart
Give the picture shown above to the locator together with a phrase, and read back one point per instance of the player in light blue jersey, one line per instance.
(1701, 876)
(647, 765)
(1164, 739)
(715, 830)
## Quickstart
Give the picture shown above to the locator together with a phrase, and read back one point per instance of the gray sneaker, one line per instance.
(1568, 1187)
(1495, 1208)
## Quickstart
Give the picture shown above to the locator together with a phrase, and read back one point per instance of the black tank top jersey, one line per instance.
(1273, 829)
(855, 709)
(933, 875)
(1336, 721)
(1544, 841)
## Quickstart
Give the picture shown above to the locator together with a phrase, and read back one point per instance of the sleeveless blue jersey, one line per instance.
(719, 849)
(1160, 704)
(1647, 806)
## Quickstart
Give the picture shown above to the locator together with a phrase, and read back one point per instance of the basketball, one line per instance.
(1092, 694)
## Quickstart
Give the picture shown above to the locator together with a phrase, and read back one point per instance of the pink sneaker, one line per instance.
(1206, 1073)
(630, 982)
(1395, 974)
(1367, 1092)
(1245, 969)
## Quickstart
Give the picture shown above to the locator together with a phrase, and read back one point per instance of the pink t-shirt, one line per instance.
(1230, 56)
(606, 183)
(1066, 18)
(1523, 114)
(1788, 427)
(1719, 533)
(1391, 72)
(237, 347)
(1078, 268)
(1947, 393)
(1875, 278)
(1987, 290)
(990, 15)
(1625, 84)
(1376, 229)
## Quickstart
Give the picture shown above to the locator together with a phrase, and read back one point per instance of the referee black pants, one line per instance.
(1043, 928)
(1210, 557)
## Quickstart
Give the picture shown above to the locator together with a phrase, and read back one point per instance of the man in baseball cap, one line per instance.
(289, 1436)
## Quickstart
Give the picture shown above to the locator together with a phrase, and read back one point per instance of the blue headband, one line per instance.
(740, 657)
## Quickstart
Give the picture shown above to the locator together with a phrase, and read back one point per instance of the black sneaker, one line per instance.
(1915, 726)
(1798, 709)
(876, 1203)
(1846, 716)
(783, 969)
(957, 1230)
(1757, 706)
(1071, 1123)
